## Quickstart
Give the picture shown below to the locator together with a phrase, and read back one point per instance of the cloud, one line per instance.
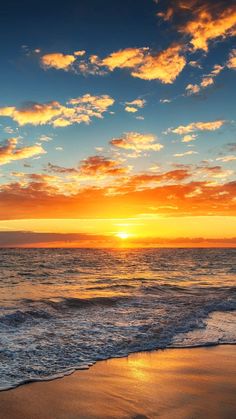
(137, 142)
(37, 200)
(197, 126)
(139, 103)
(91, 66)
(226, 159)
(76, 110)
(165, 100)
(101, 166)
(197, 191)
(126, 58)
(199, 21)
(216, 70)
(80, 53)
(92, 167)
(61, 170)
(189, 137)
(131, 109)
(202, 21)
(207, 80)
(134, 105)
(165, 66)
(95, 105)
(146, 180)
(45, 138)
(9, 151)
(192, 89)
(195, 64)
(205, 27)
(231, 63)
(186, 153)
(216, 172)
(57, 60)
(140, 62)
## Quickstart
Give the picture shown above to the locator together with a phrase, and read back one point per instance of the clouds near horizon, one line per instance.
(137, 142)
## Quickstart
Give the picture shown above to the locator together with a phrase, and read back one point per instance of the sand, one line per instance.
(174, 383)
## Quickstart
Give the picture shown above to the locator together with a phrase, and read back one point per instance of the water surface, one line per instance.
(64, 309)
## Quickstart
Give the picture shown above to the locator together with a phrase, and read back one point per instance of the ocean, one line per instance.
(65, 309)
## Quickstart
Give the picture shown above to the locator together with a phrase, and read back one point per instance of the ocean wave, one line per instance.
(124, 302)
(78, 303)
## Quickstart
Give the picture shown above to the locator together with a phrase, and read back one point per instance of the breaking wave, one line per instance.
(108, 305)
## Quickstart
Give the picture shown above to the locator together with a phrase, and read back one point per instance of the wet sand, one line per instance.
(174, 383)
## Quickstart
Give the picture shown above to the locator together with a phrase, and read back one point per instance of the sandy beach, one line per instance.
(174, 383)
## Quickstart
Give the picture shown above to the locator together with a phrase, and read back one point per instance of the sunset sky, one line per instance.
(117, 122)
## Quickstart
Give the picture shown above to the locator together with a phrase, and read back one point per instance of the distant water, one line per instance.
(62, 310)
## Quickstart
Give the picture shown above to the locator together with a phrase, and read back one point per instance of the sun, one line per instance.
(122, 235)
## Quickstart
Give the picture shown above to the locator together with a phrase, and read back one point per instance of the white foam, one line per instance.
(219, 328)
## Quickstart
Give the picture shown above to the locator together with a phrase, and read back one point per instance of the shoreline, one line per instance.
(86, 368)
(172, 381)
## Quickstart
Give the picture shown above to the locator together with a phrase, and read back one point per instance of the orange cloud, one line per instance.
(77, 110)
(202, 20)
(146, 180)
(137, 142)
(197, 126)
(126, 58)
(80, 53)
(205, 27)
(101, 166)
(35, 114)
(207, 80)
(36, 200)
(95, 105)
(98, 167)
(9, 151)
(165, 66)
(57, 60)
(139, 103)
